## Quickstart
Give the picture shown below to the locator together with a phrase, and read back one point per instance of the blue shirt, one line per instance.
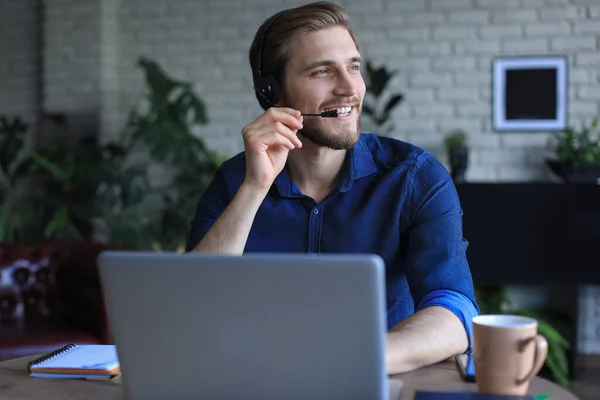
(392, 199)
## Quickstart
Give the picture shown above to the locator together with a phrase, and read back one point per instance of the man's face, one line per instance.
(323, 74)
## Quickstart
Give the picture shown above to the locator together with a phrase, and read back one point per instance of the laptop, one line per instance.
(257, 326)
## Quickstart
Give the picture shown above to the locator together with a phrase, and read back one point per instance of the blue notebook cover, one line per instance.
(420, 395)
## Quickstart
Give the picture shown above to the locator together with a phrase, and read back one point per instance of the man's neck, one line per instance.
(315, 169)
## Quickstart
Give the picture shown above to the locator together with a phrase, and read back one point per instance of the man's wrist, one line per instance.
(252, 193)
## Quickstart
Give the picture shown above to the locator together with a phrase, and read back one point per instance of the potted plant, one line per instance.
(458, 154)
(164, 127)
(52, 191)
(577, 154)
(378, 103)
(16, 213)
(79, 190)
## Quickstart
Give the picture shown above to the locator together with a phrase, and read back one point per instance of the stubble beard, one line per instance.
(316, 133)
(320, 136)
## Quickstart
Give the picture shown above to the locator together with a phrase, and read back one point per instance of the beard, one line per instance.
(319, 135)
(314, 131)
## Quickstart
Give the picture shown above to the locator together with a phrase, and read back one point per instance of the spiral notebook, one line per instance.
(78, 361)
(424, 395)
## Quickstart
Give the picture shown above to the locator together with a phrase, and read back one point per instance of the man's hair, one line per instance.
(299, 21)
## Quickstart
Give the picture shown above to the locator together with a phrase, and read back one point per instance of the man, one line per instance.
(317, 185)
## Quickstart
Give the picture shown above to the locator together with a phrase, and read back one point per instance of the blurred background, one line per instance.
(115, 114)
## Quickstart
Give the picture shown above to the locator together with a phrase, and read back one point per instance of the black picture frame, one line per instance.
(530, 93)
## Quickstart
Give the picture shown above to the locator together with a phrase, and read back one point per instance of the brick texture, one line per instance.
(442, 49)
(71, 68)
(20, 59)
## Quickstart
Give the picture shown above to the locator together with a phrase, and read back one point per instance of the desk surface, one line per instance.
(15, 384)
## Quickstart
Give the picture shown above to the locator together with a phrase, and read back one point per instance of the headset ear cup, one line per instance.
(267, 93)
(262, 98)
(273, 93)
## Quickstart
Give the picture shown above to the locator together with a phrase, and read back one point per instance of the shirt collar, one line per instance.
(359, 163)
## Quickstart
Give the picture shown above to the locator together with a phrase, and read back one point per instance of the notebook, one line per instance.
(424, 395)
(77, 361)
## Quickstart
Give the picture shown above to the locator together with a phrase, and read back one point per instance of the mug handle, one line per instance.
(539, 356)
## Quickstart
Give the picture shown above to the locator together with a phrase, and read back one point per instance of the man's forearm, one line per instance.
(229, 233)
(430, 335)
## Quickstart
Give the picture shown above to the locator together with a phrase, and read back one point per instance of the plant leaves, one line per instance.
(394, 100)
(12, 139)
(6, 229)
(556, 360)
(367, 109)
(49, 166)
(61, 226)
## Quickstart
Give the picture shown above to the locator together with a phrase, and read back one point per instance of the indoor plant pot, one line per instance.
(575, 172)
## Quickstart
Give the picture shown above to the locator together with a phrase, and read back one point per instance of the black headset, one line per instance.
(266, 89)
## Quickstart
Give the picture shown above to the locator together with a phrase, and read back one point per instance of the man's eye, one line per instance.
(320, 72)
(355, 67)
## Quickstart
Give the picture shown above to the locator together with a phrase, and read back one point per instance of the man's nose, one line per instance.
(345, 85)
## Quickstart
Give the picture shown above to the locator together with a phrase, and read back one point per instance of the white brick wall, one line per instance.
(442, 49)
(71, 41)
(19, 59)
(110, 118)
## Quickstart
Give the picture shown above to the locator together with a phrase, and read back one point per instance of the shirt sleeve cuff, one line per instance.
(456, 302)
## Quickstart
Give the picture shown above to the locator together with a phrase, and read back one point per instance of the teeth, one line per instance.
(341, 110)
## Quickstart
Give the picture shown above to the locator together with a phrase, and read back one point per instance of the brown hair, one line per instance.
(296, 22)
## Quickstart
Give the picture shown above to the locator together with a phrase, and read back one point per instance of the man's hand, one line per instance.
(267, 142)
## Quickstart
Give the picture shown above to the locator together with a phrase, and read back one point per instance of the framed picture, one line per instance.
(530, 93)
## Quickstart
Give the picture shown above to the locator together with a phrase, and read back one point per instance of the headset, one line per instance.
(267, 89)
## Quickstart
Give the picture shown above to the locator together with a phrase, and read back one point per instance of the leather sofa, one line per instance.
(50, 296)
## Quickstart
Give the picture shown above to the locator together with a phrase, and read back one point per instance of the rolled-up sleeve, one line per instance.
(437, 269)
(463, 307)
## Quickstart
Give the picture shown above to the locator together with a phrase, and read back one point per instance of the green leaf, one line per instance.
(367, 109)
(45, 163)
(369, 73)
(380, 120)
(556, 360)
(394, 100)
(554, 363)
(378, 81)
(6, 229)
(12, 139)
(158, 82)
(60, 225)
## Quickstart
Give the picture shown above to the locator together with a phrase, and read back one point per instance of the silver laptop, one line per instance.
(259, 326)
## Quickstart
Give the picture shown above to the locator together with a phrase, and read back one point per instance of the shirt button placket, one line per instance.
(314, 232)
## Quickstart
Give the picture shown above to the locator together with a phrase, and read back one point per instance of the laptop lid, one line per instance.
(259, 326)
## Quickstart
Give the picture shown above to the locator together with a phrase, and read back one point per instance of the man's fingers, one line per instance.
(287, 116)
(274, 139)
(287, 110)
(287, 132)
(283, 122)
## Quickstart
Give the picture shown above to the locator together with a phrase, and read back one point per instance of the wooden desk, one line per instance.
(15, 384)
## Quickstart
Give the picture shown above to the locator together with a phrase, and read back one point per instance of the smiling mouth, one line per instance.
(341, 111)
